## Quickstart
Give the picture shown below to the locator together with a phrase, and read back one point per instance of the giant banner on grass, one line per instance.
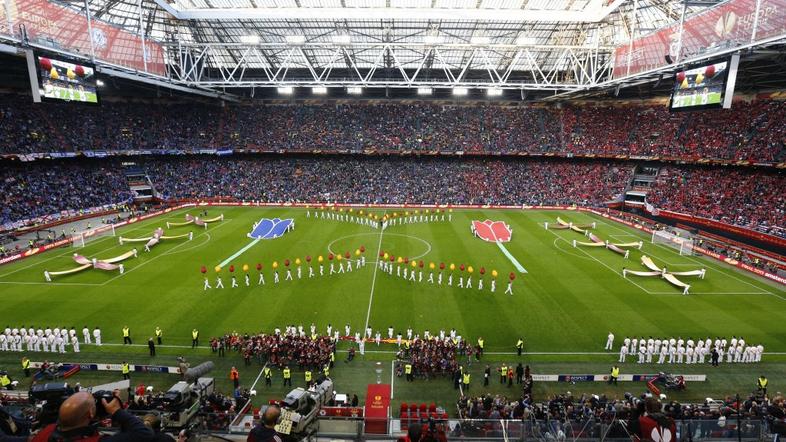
(62, 27)
(729, 24)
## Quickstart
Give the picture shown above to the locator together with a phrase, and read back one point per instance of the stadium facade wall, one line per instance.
(219, 203)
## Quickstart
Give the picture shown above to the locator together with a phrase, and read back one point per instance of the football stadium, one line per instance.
(394, 220)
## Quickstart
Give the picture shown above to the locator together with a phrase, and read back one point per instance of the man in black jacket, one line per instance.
(266, 430)
(76, 420)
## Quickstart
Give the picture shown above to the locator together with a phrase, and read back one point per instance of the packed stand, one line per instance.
(292, 347)
(749, 131)
(748, 198)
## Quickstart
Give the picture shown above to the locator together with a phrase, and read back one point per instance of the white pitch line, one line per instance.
(392, 377)
(49, 283)
(374, 278)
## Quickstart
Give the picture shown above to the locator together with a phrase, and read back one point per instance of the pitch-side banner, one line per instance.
(729, 24)
(47, 21)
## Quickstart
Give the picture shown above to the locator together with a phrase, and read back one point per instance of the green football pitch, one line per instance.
(563, 306)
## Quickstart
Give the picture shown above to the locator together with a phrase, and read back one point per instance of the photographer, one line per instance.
(77, 421)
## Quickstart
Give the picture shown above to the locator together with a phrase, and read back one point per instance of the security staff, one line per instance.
(408, 372)
(26, 366)
(5, 381)
(194, 338)
(308, 377)
(332, 359)
(761, 383)
(615, 373)
(480, 347)
(465, 381)
(268, 376)
(126, 335)
(159, 335)
(326, 371)
(126, 369)
(287, 377)
(503, 374)
(519, 346)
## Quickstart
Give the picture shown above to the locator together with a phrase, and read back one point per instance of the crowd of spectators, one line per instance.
(281, 349)
(749, 131)
(748, 198)
(431, 358)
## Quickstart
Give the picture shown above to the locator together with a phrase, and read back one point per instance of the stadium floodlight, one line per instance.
(285, 90)
(250, 39)
(319, 90)
(354, 90)
(526, 41)
(342, 39)
(295, 39)
(460, 91)
(494, 92)
(480, 40)
(424, 91)
(433, 39)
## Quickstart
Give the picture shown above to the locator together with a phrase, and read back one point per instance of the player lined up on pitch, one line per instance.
(679, 350)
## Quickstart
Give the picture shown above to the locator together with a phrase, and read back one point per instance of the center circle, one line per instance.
(423, 241)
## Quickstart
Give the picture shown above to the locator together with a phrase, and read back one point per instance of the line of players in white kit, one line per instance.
(688, 351)
(49, 340)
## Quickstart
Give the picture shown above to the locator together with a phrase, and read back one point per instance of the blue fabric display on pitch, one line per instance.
(271, 228)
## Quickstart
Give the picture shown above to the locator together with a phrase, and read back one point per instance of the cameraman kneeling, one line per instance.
(76, 422)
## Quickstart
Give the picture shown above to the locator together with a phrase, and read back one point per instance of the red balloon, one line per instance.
(512, 276)
(330, 256)
(461, 267)
(362, 249)
(259, 266)
(392, 258)
(710, 71)
(286, 262)
(46, 64)
(80, 71)
(381, 253)
(347, 255)
(482, 270)
(406, 260)
(680, 77)
(420, 264)
(232, 268)
(442, 266)
(203, 269)
(308, 258)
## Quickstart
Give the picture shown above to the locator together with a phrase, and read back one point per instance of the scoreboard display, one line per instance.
(61, 80)
(701, 87)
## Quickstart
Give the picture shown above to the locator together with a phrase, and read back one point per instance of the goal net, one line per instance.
(681, 243)
(79, 239)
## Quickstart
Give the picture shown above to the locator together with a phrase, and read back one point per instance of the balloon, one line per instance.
(360, 213)
(350, 210)
(416, 212)
(320, 259)
(431, 265)
(680, 77)
(420, 263)
(203, 269)
(330, 256)
(710, 71)
(232, 268)
(259, 266)
(414, 264)
(70, 74)
(392, 258)
(383, 255)
(482, 270)
(341, 210)
(338, 257)
(494, 273)
(347, 255)
(362, 249)
(450, 210)
(217, 269)
(386, 256)
(461, 267)
(684, 84)
(245, 267)
(406, 213)
(53, 74)
(286, 262)
(46, 64)
(442, 266)
(512, 276)
(400, 260)
(470, 269)
(297, 261)
(406, 260)
(275, 264)
(699, 78)
(452, 266)
(308, 258)
(357, 252)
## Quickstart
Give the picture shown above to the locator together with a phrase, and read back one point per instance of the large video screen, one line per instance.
(66, 81)
(700, 87)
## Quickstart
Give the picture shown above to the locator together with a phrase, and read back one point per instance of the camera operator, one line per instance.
(77, 421)
(266, 430)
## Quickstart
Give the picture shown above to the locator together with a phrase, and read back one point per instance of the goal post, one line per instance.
(80, 239)
(682, 244)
